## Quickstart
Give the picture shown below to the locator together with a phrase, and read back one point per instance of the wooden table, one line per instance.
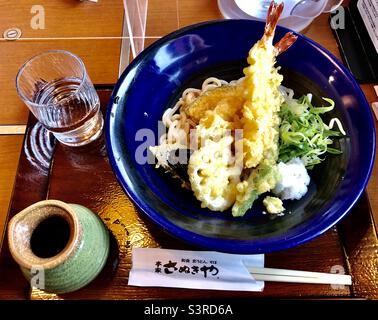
(84, 28)
(352, 245)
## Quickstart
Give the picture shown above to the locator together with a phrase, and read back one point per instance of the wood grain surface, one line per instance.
(10, 147)
(360, 243)
(67, 18)
(372, 188)
(101, 58)
(161, 19)
(64, 20)
(31, 186)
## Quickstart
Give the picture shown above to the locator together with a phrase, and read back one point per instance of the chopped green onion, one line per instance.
(303, 133)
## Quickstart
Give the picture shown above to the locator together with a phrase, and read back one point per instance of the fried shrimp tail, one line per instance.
(285, 43)
(273, 15)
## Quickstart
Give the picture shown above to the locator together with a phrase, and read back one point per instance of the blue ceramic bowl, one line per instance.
(155, 81)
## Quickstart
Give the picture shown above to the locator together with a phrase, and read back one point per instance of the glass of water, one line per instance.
(58, 91)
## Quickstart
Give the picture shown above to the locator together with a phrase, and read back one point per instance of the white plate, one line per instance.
(230, 10)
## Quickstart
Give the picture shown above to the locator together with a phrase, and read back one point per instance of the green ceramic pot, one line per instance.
(80, 259)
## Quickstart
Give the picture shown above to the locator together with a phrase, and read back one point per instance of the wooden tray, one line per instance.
(48, 170)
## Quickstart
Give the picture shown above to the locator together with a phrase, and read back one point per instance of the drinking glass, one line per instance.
(58, 91)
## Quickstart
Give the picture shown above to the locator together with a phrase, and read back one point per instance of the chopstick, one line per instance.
(12, 129)
(285, 275)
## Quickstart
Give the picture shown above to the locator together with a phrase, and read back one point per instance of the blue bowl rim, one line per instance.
(226, 245)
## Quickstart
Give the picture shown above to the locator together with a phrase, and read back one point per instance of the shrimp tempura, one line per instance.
(260, 114)
(263, 99)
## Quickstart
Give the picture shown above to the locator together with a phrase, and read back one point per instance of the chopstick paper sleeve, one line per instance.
(194, 270)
